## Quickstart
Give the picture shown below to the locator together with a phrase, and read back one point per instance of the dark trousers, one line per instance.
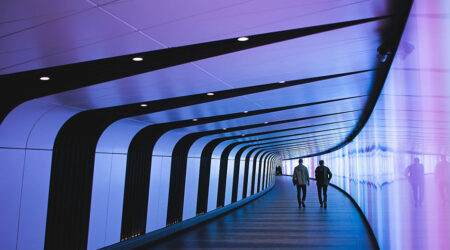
(303, 189)
(319, 192)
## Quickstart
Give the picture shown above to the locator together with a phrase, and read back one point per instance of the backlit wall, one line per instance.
(397, 169)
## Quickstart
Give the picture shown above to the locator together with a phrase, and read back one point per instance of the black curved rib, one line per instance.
(24, 86)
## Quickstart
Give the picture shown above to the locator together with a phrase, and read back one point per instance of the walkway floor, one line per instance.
(274, 221)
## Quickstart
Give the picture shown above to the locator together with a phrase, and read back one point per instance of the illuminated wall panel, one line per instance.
(409, 129)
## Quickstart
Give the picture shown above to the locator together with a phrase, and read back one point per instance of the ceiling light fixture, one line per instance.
(243, 134)
(143, 105)
(282, 81)
(44, 78)
(242, 39)
(210, 93)
(224, 128)
(266, 122)
(195, 119)
(138, 59)
(246, 111)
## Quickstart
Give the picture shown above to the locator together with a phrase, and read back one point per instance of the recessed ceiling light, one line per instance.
(195, 119)
(246, 111)
(242, 39)
(143, 105)
(44, 78)
(210, 93)
(282, 81)
(138, 59)
(224, 128)
(243, 134)
(266, 122)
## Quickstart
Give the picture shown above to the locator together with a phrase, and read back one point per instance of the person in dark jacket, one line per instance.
(323, 177)
(278, 170)
(300, 178)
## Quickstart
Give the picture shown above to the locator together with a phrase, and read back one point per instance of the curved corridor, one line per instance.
(275, 221)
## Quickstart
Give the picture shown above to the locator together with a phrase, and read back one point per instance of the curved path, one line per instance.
(274, 221)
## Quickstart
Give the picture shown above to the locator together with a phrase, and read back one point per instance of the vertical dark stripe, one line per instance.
(263, 161)
(255, 161)
(137, 180)
(204, 176)
(178, 178)
(237, 164)
(235, 182)
(223, 175)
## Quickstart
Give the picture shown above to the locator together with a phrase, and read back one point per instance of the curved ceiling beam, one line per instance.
(391, 44)
(25, 86)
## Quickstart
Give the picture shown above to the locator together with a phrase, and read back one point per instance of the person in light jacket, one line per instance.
(300, 178)
(323, 177)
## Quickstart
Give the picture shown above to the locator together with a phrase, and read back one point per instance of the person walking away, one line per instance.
(323, 177)
(300, 178)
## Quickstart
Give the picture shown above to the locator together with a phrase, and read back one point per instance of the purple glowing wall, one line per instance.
(406, 208)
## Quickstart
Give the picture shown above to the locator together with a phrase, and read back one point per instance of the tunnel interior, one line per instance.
(123, 118)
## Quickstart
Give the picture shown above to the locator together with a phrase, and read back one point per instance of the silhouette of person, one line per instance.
(278, 170)
(300, 178)
(442, 175)
(323, 177)
(415, 175)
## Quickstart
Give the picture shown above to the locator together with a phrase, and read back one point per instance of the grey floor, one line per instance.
(274, 221)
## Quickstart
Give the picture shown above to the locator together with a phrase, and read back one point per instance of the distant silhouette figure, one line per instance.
(278, 170)
(323, 177)
(442, 176)
(415, 175)
(300, 178)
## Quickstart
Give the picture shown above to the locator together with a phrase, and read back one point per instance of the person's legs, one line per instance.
(303, 192)
(325, 189)
(303, 188)
(421, 193)
(415, 193)
(319, 192)
(298, 195)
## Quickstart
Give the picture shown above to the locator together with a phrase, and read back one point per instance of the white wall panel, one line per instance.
(191, 188)
(33, 209)
(99, 201)
(117, 137)
(241, 179)
(10, 191)
(109, 182)
(229, 182)
(249, 179)
(16, 127)
(115, 201)
(164, 190)
(259, 172)
(153, 199)
(45, 130)
(159, 193)
(213, 184)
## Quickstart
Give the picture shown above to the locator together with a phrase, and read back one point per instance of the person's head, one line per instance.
(300, 161)
(416, 160)
(321, 162)
(443, 158)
